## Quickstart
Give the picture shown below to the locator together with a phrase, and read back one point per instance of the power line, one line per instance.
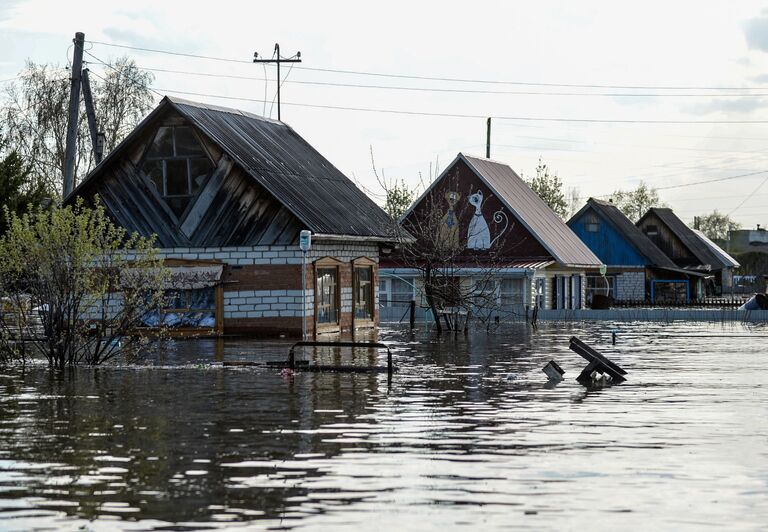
(459, 91)
(475, 116)
(748, 196)
(448, 79)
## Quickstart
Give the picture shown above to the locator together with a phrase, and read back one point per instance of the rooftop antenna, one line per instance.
(277, 59)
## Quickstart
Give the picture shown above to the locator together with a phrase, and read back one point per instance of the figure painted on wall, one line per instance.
(448, 231)
(479, 234)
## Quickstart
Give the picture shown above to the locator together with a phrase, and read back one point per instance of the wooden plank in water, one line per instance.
(589, 353)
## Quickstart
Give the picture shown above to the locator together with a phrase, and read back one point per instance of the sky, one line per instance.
(607, 94)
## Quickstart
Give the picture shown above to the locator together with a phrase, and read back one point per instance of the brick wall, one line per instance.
(262, 284)
(630, 285)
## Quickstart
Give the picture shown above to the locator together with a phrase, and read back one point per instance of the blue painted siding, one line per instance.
(607, 243)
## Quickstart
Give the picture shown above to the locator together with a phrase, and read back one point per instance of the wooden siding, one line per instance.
(668, 241)
(232, 209)
(610, 246)
(514, 243)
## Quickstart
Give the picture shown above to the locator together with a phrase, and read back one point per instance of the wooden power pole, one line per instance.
(277, 59)
(90, 113)
(488, 140)
(74, 110)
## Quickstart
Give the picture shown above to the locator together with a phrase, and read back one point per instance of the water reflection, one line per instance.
(467, 435)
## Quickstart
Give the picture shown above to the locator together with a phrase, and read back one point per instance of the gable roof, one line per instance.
(545, 226)
(698, 247)
(717, 250)
(287, 166)
(609, 212)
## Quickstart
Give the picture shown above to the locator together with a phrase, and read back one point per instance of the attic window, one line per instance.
(593, 227)
(177, 166)
(651, 230)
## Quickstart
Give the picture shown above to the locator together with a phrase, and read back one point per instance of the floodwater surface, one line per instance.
(467, 435)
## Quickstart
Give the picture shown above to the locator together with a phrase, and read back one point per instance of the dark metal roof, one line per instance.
(690, 240)
(546, 226)
(287, 166)
(280, 160)
(609, 212)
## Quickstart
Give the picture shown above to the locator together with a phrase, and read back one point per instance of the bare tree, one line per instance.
(635, 203)
(35, 115)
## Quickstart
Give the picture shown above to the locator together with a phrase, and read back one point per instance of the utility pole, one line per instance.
(277, 59)
(90, 112)
(488, 140)
(74, 109)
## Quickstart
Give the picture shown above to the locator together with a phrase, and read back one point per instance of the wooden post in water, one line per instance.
(413, 313)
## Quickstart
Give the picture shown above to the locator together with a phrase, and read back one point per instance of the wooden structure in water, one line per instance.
(597, 363)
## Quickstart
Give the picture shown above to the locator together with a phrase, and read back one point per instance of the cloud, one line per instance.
(756, 32)
(729, 105)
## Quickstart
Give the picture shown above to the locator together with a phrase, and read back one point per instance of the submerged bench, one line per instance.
(597, 362)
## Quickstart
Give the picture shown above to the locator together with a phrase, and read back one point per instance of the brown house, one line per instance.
(499, 225)
(227, 194)
(691, 250)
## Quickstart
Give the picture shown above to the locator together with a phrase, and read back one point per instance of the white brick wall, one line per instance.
(630, 285)
(266, 303)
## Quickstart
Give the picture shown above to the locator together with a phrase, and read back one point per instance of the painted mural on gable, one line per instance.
(462, 214)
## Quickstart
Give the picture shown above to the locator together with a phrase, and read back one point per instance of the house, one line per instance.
(636, 267)
(690, 250)
(227, 194)
(746, 240)
(503, 235)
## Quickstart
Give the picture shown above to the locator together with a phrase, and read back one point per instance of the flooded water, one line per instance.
(467, 435)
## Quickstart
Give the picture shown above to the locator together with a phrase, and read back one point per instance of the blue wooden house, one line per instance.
(637, 269)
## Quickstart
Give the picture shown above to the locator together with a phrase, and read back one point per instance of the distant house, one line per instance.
(497, 224)
(690, 250)
(637, 269)
(227, 194)
(746, 240)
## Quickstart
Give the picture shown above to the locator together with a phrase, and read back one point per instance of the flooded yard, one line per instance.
(467, 435)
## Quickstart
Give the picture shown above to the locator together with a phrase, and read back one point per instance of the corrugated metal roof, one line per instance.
(280, 160)
(546, 226)
(717, 250)
(528, 264)
(630, 231)
(700, 249)
(287, 166)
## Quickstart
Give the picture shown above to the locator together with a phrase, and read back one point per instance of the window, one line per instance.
(597, 284)
(177, 166)
(651, 230)
(401, 293)
(328, 295)
(195, 308)
(363, 289)
(592, 223)
(485, 293)
(512, 292)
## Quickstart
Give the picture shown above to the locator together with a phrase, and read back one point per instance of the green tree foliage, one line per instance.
(35, 113)
(398, 198)
(74, 285)
(635, 203)
(18, 189)
(549, 187)
(716, 225)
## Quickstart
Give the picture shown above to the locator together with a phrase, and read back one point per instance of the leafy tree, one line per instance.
(398, 198)
(549, 187)
(74, 285)
(635, 203)
(35, 115)
(716, 225)
(17, 188)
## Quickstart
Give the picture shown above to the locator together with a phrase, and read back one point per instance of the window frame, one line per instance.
(327, 263)
(363, 263)
(188, 159)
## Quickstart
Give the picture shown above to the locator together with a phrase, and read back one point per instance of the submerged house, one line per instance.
(637, 270)
(227, 194)
(689, 250)
(502, 235)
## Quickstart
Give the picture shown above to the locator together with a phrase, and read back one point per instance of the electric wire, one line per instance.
(433, 78)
